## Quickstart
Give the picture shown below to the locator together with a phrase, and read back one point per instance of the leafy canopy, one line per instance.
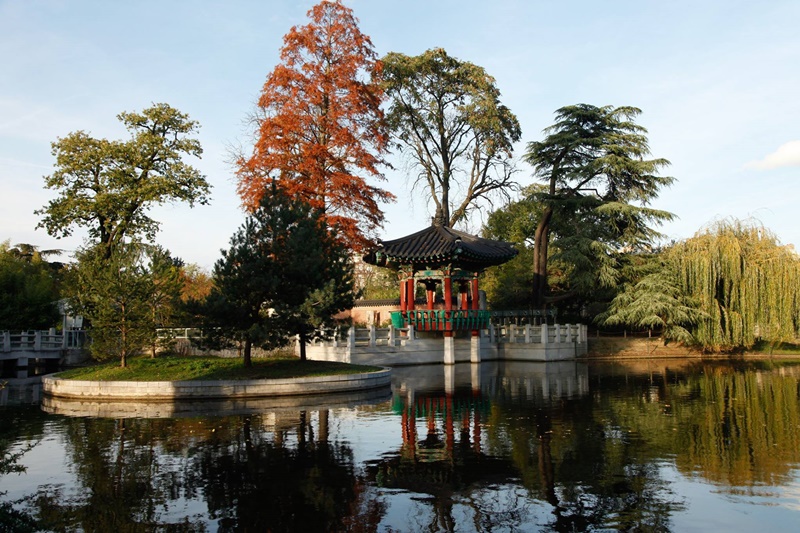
(597, 184)
(746, 283)
(28, 289)
(447, 114)
(108, 186)
(321, 131)
(654, 300)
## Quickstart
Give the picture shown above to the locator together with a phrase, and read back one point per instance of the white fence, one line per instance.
(40, 341)
(543, 334)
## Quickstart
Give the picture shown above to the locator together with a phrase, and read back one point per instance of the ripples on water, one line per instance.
(648, 446)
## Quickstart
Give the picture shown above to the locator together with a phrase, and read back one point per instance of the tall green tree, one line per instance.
(654, 300)
(125, 297)
(446, 114)
(164, 299)
(508, 286)
(28, 290)
(594, 164)
(285, 273)
(107, 186)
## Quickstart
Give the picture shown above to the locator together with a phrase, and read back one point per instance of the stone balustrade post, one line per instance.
(558, 333)
(6, 341)
(372, 335)
(351, 338)
(411, 332)
(391, 335)
(545, 334)
(527, 333)
(37, 340)
(512, 332)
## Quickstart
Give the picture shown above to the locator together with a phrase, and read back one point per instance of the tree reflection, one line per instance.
(592, 473)
(280, 481)
(254, 475)
(122, 476)
(16, 425)
(735, 425)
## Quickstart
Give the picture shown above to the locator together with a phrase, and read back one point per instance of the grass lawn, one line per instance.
(175, 368)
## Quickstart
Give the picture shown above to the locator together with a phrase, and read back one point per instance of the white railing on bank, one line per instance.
(372, 336)
(40, 340)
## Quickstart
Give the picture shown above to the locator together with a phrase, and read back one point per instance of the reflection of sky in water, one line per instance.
(370, 435)
(45, 463)
(791, 493)
(509, 507)
(713, 508)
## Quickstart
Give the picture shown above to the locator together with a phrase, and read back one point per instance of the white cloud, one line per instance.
(787, 155)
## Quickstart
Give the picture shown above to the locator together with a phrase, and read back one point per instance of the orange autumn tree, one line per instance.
(321, 133)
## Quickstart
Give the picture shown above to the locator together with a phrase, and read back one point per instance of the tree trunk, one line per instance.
(248, 347)
(154, 345)
(301, 338)
(124, 340)
(540, 243)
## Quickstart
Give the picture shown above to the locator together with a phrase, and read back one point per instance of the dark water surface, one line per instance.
(649, 446)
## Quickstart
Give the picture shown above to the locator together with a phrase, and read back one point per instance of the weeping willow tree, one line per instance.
(746, 283)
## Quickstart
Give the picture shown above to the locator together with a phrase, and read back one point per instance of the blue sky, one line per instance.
(717, 82)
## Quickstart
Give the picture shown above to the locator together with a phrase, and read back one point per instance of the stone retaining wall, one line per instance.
(196, 390)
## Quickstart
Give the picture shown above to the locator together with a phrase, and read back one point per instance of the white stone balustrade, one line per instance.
(507, 341)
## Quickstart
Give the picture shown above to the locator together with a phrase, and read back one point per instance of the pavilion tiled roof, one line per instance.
(438, 245)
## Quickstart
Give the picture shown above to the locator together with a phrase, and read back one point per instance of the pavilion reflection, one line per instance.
(446, 415)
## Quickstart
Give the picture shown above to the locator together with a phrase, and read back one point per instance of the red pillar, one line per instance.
(448, 303)
(403, 293)
(412, 289)
(464, 293)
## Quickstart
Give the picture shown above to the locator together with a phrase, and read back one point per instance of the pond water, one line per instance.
(646, 446)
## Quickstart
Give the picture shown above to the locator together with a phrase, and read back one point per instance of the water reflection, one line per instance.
(194, 408)
(20, 391)
(734, 424)
(490, 447)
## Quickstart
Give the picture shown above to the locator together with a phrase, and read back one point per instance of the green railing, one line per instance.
(441, 320)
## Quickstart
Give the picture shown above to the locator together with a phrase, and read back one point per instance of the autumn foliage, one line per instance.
(321, 132)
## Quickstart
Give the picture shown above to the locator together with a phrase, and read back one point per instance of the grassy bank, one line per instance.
(193, 368)
(637, 347)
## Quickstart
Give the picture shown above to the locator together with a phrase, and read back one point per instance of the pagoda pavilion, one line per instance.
(447, 258)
